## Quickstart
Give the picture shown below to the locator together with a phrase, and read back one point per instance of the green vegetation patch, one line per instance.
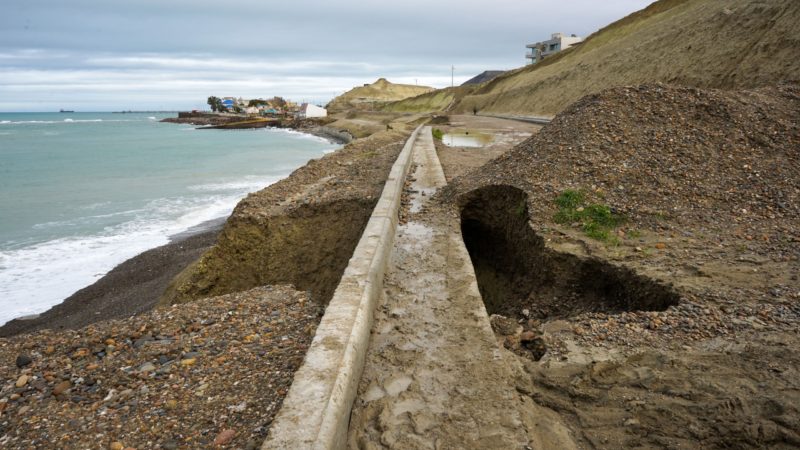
(596, 220)
(438, 134)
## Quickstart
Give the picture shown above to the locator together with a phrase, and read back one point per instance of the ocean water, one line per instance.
(82, 192)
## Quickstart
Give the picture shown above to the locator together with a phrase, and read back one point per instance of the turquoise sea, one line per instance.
(82, 192)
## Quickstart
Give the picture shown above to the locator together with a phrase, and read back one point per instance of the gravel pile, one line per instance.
(687, 322)
(211, 372)
(719, 160)
(709, 184)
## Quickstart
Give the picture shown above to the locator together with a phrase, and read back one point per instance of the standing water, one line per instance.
(460, 138)
(82, 192)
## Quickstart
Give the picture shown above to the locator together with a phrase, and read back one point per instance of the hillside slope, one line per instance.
(375, 94)
(436, 100)
(698, 43)
(483, 77)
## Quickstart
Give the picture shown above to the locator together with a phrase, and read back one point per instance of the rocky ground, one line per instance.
(682, 42)
(213, 372)
(707, 183)
(204, 119)
(502, 135)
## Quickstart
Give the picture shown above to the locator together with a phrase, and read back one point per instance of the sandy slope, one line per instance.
(700, 43)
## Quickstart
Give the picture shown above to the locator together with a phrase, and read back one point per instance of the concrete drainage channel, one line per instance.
(316, 411)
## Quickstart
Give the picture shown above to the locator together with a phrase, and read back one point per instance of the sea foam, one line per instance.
(34, 278)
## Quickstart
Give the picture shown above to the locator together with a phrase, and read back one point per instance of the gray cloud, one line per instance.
(101, 54)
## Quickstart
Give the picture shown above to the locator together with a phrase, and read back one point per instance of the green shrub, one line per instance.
(438, 134)
(570, 199)
(596, 220)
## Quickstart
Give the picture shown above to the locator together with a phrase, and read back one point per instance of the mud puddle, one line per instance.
(466, 138)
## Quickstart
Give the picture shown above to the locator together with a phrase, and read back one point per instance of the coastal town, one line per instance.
(274, 107)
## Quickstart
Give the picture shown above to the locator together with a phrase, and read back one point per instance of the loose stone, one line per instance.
(23, 360)
(22, 381)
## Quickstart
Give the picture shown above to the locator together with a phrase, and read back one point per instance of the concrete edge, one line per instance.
(431, 158)
(316, 411)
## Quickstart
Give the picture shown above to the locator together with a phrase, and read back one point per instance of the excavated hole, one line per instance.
(517, 274)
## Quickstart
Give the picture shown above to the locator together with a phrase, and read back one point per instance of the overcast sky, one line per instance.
(102, 55)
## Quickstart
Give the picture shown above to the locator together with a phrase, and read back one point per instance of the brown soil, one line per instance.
(301, 230)
(699, 43)
(681, 330)
(515, 271)
(175, 378)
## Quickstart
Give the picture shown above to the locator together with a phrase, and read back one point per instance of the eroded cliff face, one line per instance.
(300, 231)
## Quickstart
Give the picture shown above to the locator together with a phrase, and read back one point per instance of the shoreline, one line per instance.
(209, 121)
(132, 287)
(135, 285)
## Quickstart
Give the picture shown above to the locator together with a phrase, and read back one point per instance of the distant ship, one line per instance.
(65, 111)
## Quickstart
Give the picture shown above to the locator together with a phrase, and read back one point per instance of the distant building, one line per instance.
(308, 110)
(228, 103)
(556, 43)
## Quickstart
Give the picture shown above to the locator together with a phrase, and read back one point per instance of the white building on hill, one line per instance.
(556, 43)
(308, 110)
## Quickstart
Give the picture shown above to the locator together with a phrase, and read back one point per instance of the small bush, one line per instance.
(438, 134)
(570, 199)
(596, 220)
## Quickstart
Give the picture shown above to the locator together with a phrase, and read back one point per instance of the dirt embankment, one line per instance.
(680, 328)
(301, 230)
(440, 100)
